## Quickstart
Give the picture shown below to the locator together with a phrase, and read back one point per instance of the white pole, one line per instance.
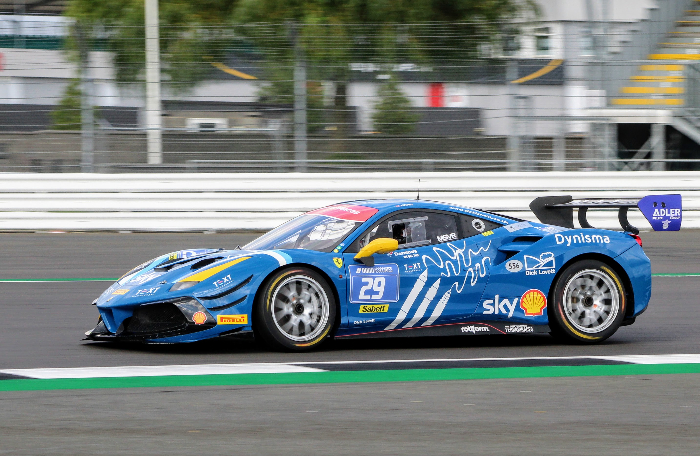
(153, 108)
(300, 118)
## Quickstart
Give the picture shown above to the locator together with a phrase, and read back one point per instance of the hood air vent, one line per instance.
(205, 262)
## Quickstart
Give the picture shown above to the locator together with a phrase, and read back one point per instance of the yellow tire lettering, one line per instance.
(619, 288)
(622, 306)
(317, 340)
(271, 288)
(577, 333)
(268, 304)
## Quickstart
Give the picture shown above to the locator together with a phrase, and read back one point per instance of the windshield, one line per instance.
(310, 232)
(319, 230)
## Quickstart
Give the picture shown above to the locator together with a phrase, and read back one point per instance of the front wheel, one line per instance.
(589, 302)
(295, 311)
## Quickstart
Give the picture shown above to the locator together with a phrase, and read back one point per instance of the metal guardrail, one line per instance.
(226, 202)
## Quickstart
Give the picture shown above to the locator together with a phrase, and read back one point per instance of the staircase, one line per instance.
(661, 81)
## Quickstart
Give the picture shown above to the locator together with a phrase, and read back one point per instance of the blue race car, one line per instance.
(396, 268)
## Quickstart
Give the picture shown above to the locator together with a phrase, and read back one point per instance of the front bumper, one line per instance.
(157, 320)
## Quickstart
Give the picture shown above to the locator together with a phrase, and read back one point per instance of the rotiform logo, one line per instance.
(474, 329)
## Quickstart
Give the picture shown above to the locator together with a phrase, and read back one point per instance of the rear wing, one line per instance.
(664, 212)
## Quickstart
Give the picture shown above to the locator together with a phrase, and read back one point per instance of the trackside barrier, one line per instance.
(232, 202)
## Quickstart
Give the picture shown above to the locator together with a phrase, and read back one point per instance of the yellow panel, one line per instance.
(647, 101)
(661, 67)
(211, 271)
(652, 90)
(674, 57)
(658, 78)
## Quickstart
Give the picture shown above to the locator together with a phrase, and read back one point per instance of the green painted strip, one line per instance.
(302, 378)
(98, 279)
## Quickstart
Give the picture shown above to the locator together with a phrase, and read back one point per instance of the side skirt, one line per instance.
(467, 328)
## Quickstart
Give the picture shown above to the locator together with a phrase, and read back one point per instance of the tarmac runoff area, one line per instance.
(637, 393)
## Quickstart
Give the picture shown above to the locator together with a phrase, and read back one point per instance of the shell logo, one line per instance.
(199, 318)
(533, 302)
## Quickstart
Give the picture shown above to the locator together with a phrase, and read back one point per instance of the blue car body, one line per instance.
(494, 279)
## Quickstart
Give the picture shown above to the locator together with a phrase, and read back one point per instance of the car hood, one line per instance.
(191, 272)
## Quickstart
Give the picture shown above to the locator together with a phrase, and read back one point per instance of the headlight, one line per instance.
(182, 285)
(194, 311)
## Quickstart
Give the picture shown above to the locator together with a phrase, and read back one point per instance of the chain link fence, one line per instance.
(550, 95)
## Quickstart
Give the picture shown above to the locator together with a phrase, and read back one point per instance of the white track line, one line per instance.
(302, 366)
(633, 359)
(158, 371)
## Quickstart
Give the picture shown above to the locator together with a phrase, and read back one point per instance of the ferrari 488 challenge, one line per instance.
(388, 268)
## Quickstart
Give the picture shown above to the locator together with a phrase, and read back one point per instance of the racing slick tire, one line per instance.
(295, 311)
(589, 303)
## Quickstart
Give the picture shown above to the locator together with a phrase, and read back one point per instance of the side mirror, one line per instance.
(379, 245)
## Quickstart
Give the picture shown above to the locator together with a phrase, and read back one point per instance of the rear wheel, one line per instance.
(296, 310)
(589, 302)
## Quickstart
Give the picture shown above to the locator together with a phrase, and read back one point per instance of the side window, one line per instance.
(413, 229)
(471, 226)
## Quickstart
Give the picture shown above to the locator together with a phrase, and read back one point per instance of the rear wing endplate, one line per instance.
(664, 212)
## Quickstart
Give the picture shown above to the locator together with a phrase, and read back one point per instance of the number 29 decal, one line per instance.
(376, 284)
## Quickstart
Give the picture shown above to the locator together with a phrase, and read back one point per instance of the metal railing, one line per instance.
(259, 201)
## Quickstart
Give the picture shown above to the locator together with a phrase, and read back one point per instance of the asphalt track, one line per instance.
(42, 321)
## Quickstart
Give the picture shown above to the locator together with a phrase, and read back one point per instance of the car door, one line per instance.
(435, 275)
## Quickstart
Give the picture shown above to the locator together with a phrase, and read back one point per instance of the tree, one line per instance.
(187, 36)
(334, 33)
(393, 113)
(67, 115)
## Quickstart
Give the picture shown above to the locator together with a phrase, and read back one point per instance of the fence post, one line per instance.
(513, 141)
(299, 101)
(658, 146)
(87, 114)
(153, 108)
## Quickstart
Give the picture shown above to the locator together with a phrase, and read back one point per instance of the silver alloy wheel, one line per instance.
(591, 301)
(300, 308)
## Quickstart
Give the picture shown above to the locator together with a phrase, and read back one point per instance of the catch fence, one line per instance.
(602, 92)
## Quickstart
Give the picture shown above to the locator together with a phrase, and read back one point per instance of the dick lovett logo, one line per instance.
(542, 265)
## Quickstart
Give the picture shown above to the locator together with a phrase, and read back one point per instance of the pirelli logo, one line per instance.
(374, 308)
(232, 319)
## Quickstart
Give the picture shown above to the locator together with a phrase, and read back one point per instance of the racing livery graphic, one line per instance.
(396, 268)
